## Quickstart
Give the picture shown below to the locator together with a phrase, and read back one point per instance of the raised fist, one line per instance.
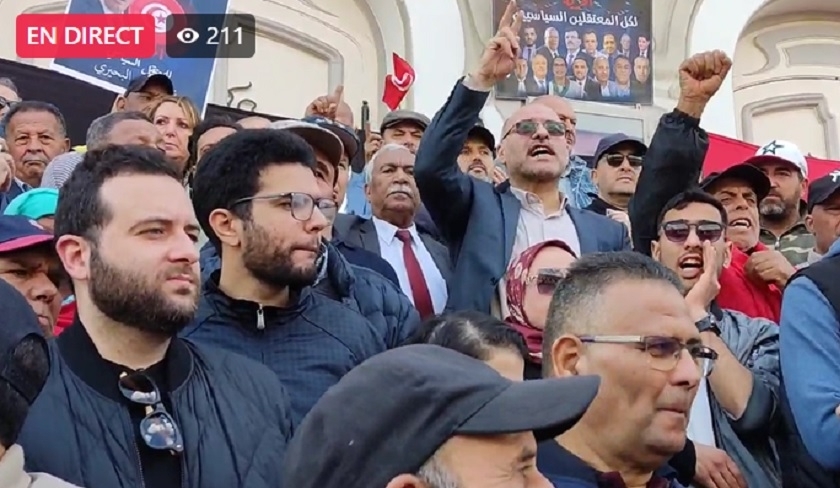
(702, 74)
(499, 57)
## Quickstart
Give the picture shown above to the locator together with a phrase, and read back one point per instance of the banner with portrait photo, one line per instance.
(190, 77)
(594, 50)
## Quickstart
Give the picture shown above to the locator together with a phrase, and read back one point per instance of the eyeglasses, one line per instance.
(530, 127)
(5, 102)
(678, 231)
(547, 280)
(158, 429)
(616, 160)
(663, 352)
(301, 205)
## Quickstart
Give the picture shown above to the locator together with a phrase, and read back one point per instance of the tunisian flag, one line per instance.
(398, 84)
(725, 152)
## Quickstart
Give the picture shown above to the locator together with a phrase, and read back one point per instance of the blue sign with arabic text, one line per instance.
(190, 77)
(595, 50)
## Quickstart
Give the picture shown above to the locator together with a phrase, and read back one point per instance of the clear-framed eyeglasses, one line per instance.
(663, 352)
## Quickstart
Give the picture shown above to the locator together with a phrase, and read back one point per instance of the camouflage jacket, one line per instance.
(794, 244)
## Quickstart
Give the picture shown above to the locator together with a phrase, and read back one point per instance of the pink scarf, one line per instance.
(516, 282)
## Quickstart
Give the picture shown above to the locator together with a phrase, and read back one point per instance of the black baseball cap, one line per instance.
(390, 414)
(822, 189)
(609, 142)
(747, 173)
(399, 116)
(484, 135)
(19, 322)
(137, 84)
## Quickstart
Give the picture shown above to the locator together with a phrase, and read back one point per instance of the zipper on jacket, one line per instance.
(260, 318)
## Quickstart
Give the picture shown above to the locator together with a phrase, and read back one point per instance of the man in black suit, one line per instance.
(551, 48)
(515, 85)
(537, 83)
(580, 70)
(421, 263)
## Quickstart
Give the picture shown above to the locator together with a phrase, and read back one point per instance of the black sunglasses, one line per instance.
(678, 231)
(615, 160)
(530, 127)
(547, 280)
(158, 429)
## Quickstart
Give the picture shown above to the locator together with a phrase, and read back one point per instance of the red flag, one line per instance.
(398, 84)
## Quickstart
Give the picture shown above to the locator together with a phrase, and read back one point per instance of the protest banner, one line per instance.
(190, 77)
(595, 50)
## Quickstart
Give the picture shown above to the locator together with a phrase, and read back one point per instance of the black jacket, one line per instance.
(233, 414)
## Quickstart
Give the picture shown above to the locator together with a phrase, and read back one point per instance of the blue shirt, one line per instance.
(577, 183)
(357, 203)
(809, 335)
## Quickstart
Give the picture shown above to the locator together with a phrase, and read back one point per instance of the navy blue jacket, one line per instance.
(310, 345)
(233, 414)
(370, 294)
(366, 259)
(476, 219)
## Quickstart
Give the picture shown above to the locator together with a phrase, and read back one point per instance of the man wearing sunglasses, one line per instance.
(615, 172)
(737, 404)
(487, 226)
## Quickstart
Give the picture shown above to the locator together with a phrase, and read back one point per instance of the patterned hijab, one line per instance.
(516, 282)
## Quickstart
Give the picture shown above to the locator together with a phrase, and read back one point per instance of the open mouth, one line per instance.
(740, 223)
(540, 150)
(690, 266)
(477, 168)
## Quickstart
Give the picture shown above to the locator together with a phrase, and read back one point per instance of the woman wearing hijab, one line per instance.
(530, 283)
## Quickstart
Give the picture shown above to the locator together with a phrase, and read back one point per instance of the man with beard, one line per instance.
(782, 210)
(128, 404)
(478, 155)
(485, 226)
(257, 199)
(35, 134)
(530, 47)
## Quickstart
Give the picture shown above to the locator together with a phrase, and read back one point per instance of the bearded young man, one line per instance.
(128, 404)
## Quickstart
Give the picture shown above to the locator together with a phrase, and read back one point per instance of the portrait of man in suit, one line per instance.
(515, 85)
(644, 47)
(640, 87)
(590, 43)
(609, 45)
(421, 263)
(550, 49)
(580, 70)
(529, 46)
(606, 87)
(572, 39)
(623, 73)
(538, 83)
(624, 44)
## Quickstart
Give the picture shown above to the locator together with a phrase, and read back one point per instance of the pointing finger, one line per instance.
(517, 22)
(338, 94)
(507, 17)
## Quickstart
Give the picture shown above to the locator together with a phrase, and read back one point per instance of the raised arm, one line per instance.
(675, 157)
(444, 189)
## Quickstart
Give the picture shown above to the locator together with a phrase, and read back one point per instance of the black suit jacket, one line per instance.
(361, 232)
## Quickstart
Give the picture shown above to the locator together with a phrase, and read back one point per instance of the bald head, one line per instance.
(254, 122)
(563, 108)
(344, 114)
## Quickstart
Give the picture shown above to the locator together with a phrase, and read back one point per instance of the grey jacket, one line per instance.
(747, 440)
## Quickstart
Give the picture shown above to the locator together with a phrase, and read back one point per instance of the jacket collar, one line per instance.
(245, 313)
(81, 356)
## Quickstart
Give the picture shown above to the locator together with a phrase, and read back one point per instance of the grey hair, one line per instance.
(8, 83)
(434, 475)
(578, 297)
(382, 150)
(100, 129)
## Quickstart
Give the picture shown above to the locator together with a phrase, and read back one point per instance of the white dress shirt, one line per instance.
(391, 250)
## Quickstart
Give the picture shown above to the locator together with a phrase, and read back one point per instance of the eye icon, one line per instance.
(187, 35)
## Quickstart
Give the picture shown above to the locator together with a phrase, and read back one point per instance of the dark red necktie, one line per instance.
(419, 290)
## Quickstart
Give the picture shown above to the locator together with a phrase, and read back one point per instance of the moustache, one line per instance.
(400, 188)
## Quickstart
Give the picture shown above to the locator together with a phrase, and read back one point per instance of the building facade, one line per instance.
(784, 84)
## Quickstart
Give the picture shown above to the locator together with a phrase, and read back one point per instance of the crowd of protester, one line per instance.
(218, 303)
